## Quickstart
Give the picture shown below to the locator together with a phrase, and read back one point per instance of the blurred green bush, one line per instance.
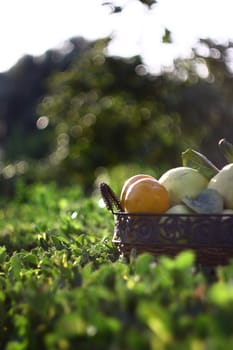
(105, 113)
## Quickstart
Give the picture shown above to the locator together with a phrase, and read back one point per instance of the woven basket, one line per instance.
(209, 236)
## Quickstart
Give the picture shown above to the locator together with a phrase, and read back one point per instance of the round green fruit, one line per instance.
(179, 209)
(183, 182)
(227, 214)
(227, 211)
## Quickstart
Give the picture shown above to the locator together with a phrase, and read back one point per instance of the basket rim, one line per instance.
(124, 213)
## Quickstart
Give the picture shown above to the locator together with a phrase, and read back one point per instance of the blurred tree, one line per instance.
(116, 8)
(204, 100)
(21, 88)
(100, 112)
(107, 111)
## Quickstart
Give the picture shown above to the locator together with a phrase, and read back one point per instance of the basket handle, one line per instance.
(110, 199)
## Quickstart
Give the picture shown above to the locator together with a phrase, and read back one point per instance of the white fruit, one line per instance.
(227, 211)
(223, 183)
(179, 209)
(183, 182)
(227, 214)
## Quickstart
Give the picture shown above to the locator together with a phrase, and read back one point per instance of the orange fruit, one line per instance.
(128, 183)
(146, 195)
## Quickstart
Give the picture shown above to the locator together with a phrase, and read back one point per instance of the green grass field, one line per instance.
(64, 286)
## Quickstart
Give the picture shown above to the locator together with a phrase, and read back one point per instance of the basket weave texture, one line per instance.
(209, 236)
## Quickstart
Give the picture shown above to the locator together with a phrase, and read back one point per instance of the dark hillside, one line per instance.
(22, 87)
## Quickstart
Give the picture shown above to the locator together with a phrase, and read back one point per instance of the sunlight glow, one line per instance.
(101, 203)
(32, 27)
(42, 122)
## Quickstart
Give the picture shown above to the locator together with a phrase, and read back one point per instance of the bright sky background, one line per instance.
(34, 26)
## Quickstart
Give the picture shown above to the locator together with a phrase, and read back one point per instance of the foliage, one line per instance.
(21, 88)
(116, 9)
(63, 284)
(104, 114)
(106, 111)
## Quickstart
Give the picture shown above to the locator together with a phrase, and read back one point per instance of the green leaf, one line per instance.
(185, 260)
(15, 345)
(167, 37)
(142, 263)
(2, 254)
(221, 294)
(157, 319)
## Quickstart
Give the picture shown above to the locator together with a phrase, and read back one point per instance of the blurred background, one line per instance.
(130, 86)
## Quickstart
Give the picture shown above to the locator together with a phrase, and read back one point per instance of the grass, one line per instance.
(64, 286)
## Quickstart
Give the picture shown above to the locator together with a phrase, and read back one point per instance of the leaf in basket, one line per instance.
(209, 201)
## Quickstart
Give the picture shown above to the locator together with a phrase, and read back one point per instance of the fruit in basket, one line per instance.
(179, 209)
(183, 182)
(146, 195)
(223, 183)
(129, 182)
(227, 211)
(209, 201)
(227, 214)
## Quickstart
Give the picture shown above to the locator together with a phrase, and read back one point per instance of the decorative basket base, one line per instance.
(204, 256)
(210, 236)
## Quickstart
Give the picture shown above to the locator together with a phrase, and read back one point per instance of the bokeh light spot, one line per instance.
(42, 122)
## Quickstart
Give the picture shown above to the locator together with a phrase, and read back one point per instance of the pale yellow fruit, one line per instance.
(179, 209)
(183, 182)
(227, 211)
(223, 183)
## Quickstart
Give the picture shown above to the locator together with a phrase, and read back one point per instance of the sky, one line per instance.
(34, 26)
